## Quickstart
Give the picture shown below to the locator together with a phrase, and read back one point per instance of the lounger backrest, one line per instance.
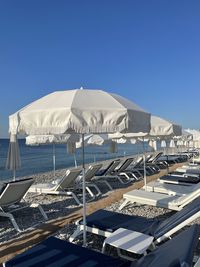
(178, 251)
(177, 218)
(156, 157)
(91, 171)
(125, 165)
(111, 167)
(68, 179)
(14, 191)
(185, 199)
(138, 162)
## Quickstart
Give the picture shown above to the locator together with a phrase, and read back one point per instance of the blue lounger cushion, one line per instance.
(54, 252)
(189, 179)
(110, 221)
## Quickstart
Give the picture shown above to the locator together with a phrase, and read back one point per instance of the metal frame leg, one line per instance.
(126, 201)
(12, 219)
(76, 233)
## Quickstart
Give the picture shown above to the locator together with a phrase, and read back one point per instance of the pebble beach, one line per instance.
(58, 206)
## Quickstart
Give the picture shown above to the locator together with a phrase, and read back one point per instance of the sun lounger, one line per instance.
(128, 171)
(104, 223)
(90, 180)
(109, 174)
(11, 196)
(180, 179)
(63, 186)
(54, 252)
(172, 202)
(171, 189)
(188, 171)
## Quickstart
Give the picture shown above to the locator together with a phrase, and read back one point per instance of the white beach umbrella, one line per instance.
(97, 140)
(163, 143)
(80, 111)
(94, 139)
(13, 158)
(160, 127)
(172, 143)
(35, 140)
(153, 144)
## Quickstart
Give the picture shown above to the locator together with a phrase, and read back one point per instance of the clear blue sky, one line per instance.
(145, 50)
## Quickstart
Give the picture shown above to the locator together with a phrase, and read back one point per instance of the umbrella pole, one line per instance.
(144, 166)
(14, 175)
(75, 161)
(54, 161)
(84, 200)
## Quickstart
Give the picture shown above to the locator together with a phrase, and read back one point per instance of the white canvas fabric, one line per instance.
(162, 127)
(159, 128)
(51, 139)
(172, 143)
(13, 161)
(94, 139)
(81, 111)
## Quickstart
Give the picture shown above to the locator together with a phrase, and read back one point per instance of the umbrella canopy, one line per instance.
(35, 140)
(13, 158)
(159, 128)
(80, 111)
(162, 127)
(94, 139)
(172, 144)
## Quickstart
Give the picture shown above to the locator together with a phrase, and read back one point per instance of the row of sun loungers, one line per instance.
(55, 252)
(112, 225)
(71, 183)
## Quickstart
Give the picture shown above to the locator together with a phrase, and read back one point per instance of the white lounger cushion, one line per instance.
(160, 200)
(171, 189)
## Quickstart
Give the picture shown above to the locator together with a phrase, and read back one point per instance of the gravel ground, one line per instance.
(55, 206)
(58, 206)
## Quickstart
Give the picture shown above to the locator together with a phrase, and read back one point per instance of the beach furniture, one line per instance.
(123, 174)
(185, 179)
(178, 251)
(63, 186)
(138, 167)
(171, 189)
(173, 202)
(12, 195)
(154, 160)
(108, 174)
(105, 223)
(188, 171)
(90, 181)
(126, 170)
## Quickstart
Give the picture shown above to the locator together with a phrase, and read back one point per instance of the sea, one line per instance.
(39, 159)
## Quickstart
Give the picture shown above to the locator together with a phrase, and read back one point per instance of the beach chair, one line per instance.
(11, 199)
(126, 171)
(173, 202)
(59, 253)
(107, 173)
(171, 189)
(63, 186)
(186, 179)
(188, 170)
(135, 170)
(104, 223)
(90, 182)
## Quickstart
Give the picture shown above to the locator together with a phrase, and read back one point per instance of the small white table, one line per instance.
(128, 240)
